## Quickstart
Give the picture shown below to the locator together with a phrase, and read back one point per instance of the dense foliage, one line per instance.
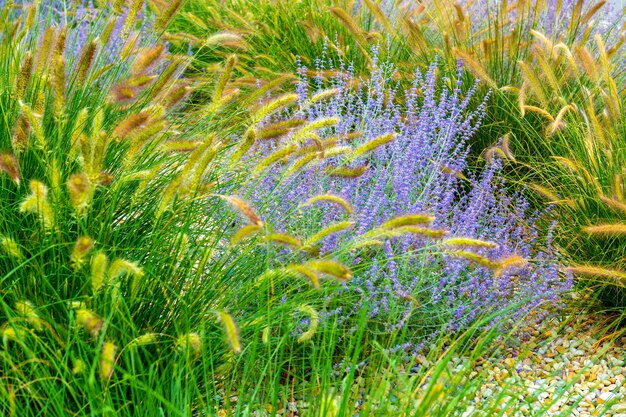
(226, 207)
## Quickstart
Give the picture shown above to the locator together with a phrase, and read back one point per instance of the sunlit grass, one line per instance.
(138, 277)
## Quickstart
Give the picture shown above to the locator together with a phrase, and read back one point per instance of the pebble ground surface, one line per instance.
(567, 370)
(561, 368)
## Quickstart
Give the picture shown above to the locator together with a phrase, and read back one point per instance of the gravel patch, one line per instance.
(555, 373)
(556, 370)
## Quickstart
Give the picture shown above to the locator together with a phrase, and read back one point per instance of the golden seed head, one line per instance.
(144, 339)
(86, 60)
(329, 267)
(408, 220)
(232, 332)
(331, 198)
(27, 310)
(8, 164)
(37, 203)
(372, 145)
(120, 267)
(606, 230)
(21, 131)
(24, 75)
(107, 360)
(38, 189)
(79, 367)
(147, 58)
(190, 342)
(99, 263)
(243, 208)
(314, 319)
(89, 321)
(11, 247)
(12, 332)
(466, 241)
(308, 273)
(83, 245)
(81, 191)
(328, 230)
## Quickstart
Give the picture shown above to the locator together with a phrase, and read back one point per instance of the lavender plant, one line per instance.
(393, 161)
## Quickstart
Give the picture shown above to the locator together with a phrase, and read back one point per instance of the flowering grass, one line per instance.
(206, 217)
(554, 70)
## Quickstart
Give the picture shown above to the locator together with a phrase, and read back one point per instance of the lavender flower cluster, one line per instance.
(419, 172)
(87, 21)
(553, 17)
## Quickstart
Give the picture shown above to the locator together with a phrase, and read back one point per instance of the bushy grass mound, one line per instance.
(116, 211)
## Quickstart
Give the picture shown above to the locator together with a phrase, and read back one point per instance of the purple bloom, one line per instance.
(417, 172)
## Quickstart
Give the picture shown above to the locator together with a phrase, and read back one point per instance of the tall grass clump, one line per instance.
(556, 72)
(502, 44)
(121, 290)
(570, 110)
(283, 32)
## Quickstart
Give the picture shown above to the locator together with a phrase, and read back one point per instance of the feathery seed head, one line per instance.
(607, 230)
(231, 330)
(11, 248)
(24, 75)
(331, 198)
(83, 245)
(27, 310)
(79, 367)
(225, 39)
(314, 322)
(81, 191)
(307, 273)
(144, 339)
(107, 360)
(12, 332)
(474, 257)
(514, 261)
(326, 231)
(243, 208)
(21, 130)
(8, 164)
(121, 267)
(408, 220)
(37, 202)
(465, 241)
(273, 106)
(85, 62)
(284, 239)
(372, 145)
(166, 15)
(342, 172)
(190, 342)
(59, 85)
(89, 321)
(147, 58)
(329, 267)
(99, 264)
(130, 124)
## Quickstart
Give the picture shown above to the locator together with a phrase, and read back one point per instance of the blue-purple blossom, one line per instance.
(424, 170)
(88, 23)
